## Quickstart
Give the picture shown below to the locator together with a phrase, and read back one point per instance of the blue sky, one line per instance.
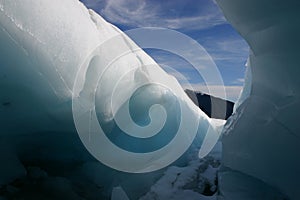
(201, 20)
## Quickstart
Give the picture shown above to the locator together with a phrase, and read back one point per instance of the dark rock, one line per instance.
(214, 107)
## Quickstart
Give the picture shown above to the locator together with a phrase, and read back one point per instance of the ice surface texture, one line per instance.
(262, 139)
(53, 52)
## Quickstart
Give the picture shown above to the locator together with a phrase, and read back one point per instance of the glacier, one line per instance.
(260, 154)
(52, 54)
(40, 57)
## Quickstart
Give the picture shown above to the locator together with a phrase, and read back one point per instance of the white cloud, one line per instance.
(197, 22)
(201, 14)
(239, 81)
(228, 49)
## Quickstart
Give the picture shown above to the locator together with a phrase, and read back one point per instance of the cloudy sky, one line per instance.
(201, 20)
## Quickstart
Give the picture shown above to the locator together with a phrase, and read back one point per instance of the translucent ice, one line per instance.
(53, 51)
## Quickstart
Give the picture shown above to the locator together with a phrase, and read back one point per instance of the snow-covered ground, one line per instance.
(197, 180)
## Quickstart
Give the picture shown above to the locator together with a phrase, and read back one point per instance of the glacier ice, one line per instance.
(118, 194)
(43, 46)
(262, 139)
(245, 93)
(40, 58)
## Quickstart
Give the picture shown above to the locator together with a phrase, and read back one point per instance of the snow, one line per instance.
(261, 139)
(195, 181)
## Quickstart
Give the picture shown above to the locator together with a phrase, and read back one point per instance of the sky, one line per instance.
(201, 20)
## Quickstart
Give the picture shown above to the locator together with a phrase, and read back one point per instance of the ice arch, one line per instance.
(262, 139)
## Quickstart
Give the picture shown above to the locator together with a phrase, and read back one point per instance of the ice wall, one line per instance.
(262, 139)
(43, 45)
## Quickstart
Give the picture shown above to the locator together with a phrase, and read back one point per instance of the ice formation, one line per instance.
(118, 194)
(261, 145)
(43, 45)
(40, 57)
(197, 180)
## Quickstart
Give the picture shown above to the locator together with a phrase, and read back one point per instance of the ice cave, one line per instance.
(65, 71)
